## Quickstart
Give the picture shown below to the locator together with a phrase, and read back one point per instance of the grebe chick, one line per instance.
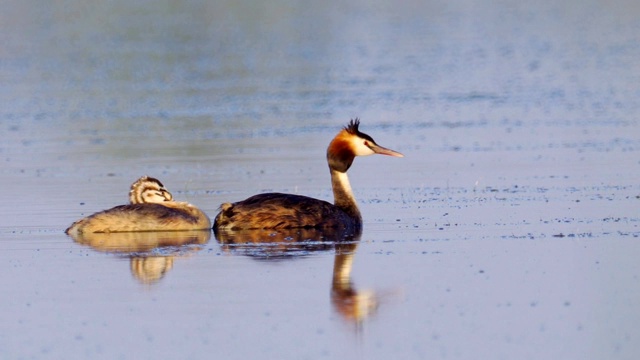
(278, 211)
(148, 190)
(151, 209)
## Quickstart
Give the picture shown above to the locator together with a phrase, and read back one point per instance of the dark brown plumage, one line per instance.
(281, 211)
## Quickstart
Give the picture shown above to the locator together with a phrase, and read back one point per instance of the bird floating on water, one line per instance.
(280, 211)
(151, 208)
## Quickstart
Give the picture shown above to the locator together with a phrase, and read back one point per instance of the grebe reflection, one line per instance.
(271, 244)
(151, 254)
(351, 304)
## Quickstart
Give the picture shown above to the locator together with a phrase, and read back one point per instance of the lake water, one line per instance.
(510, 230)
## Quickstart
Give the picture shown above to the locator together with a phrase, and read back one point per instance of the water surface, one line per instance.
(509, 230)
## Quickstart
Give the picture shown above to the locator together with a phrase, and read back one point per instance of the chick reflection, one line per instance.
(352, 305)
(151, 253)
(150, 269)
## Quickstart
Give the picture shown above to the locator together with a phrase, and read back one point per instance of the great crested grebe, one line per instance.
(279, 211)
(151, 209)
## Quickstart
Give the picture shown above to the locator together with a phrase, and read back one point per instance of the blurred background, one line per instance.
(519, 122)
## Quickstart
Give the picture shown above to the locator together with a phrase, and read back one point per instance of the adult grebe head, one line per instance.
(349, 143)
(148, 190)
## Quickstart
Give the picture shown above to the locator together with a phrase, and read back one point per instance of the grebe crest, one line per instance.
(351, 142)
(148, 190)
(275, 210)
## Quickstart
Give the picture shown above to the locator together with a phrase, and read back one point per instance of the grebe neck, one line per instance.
(343, 195)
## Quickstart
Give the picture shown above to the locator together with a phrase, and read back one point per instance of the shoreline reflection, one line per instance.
(352, 305)
(151, 254)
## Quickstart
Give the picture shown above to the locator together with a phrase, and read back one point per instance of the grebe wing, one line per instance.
(280, 211)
